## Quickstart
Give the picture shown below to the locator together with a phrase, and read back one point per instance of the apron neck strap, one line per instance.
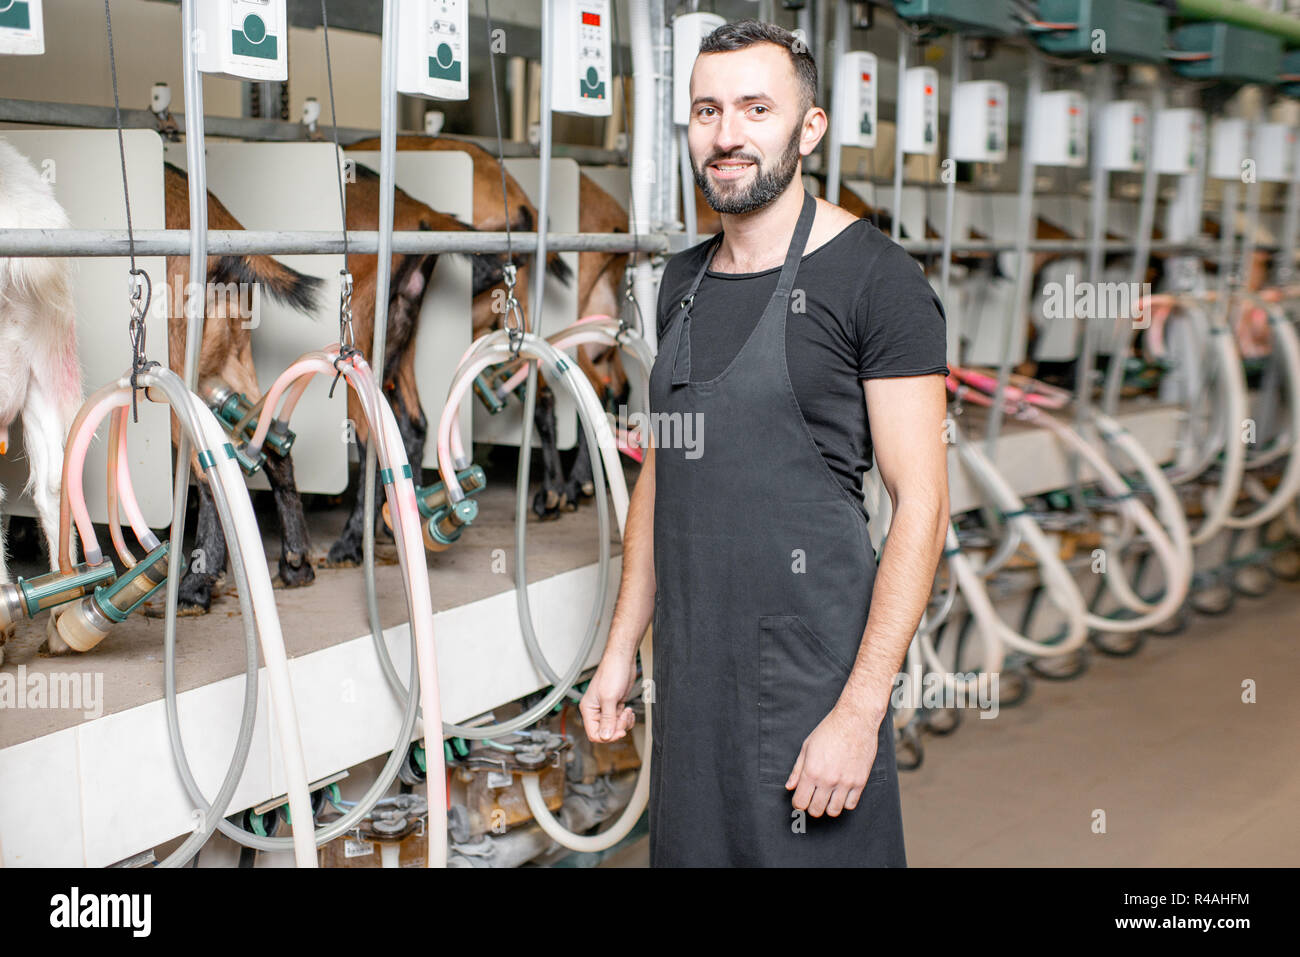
(784, 286)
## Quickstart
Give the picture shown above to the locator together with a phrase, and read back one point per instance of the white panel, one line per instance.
(689, 29)
(22, 27)
(243, 39)
(290, 186)
(560, 308)
(854, 109)
(433, 49)
(87, 179)
(612, 179)
(126, 763)
(347, 714)
(443, 181)
(40, 804)
(581, 79)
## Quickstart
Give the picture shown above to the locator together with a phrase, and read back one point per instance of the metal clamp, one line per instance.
(515, 329)
(347, 337)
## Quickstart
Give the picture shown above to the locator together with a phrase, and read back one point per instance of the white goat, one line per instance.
(40, 373)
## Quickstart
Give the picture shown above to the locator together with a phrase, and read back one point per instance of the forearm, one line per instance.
(636, 592)
(902, 588)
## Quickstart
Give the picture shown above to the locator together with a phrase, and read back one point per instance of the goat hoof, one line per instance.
(54, 645)
(296, 575)
(546, 505)
(342, 555)
(195, 596)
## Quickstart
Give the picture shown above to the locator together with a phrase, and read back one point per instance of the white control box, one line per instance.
(22, 28)
(1125, 128)
(581, 78)
(433, 49)
(853, 107)
(980, 130)
(243, 39)
(1274, 152)
(689, 30)
(1228, 138)
(1178, 141)
(1060, 130)
(918, 118)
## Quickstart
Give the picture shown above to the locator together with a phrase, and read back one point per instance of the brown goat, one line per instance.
(226, 352)
(409, 278)
(557, 494)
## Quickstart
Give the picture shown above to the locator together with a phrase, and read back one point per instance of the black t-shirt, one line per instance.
(870, 313)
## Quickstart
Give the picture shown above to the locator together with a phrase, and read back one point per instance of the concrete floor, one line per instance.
(1187, 774)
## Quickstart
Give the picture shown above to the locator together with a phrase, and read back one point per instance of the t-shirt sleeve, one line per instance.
(900, 323)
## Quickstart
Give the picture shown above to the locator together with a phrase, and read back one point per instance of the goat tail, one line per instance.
(284, 285)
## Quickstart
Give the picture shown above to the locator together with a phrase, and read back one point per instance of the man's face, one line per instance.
(747, 131)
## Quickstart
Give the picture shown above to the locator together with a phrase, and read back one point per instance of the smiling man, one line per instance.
(801, 338)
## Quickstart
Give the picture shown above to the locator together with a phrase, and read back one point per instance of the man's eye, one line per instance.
(763, 108)
(705, 110)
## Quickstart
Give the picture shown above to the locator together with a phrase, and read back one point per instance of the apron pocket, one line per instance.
(799, 680)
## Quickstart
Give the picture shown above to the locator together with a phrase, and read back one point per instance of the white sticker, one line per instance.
(357, 848)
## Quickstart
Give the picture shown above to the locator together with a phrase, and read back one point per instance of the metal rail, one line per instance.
(244, 128)
(243, 242)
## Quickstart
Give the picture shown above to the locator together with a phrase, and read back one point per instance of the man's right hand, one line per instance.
(605, 717)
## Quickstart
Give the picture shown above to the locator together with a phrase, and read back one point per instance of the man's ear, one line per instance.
(814, 128)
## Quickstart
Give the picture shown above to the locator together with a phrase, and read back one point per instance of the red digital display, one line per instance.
(591, 19)
(866, 78)
(929, 91)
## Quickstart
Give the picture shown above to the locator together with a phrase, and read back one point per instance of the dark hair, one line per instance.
(745, 33)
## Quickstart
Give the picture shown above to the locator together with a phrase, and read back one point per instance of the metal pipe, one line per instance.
(950, 188)
(1290, 225)
(196, 303)
(688, 189)
(243, 128)
(1013, 343)
(538, 276)
(896, 227)
(1087, 332)
(95, 243)
(839, 99)
(387, 202)
(241, 242)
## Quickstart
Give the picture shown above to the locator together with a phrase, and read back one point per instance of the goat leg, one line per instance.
(207, 560)
(295, 545)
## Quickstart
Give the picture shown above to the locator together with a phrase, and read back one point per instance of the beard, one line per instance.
(770, 182)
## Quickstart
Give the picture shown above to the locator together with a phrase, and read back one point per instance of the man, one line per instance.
(773, 660)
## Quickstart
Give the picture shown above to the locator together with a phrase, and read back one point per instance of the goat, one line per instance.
(40, 371)
(409, 280)
(490, 206)
(226, 352)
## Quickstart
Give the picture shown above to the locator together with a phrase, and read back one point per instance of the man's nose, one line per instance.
(728, 134)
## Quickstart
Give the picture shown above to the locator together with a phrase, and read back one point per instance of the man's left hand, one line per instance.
(834, 764)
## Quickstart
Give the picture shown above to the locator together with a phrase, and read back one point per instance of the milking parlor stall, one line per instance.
(326, 341)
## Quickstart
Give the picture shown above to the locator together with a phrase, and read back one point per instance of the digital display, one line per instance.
(866, 78)
(591, 19)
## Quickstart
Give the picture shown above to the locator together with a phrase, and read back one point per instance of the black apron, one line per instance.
(764, 569)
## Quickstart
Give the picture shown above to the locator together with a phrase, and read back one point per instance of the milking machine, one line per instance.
(106, 598)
